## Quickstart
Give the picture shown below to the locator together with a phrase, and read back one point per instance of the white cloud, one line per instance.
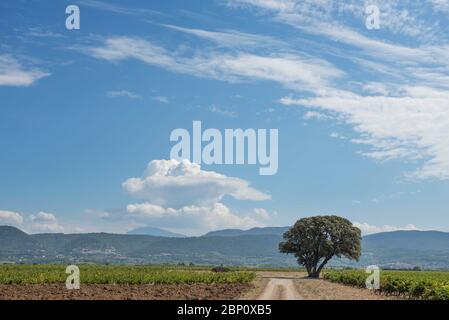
(176, 184)
(180, 195)
(105, 6)
(376, 88)
(263, 214)
(336, 135)
(161, 99)
(440, 5)
(323, 18)
(215, 216)
(98, 213)
(369, 229)
(46, 228)
(10, 217)
(297, 71)
(404, 115)
(413, 126)
(277, 5)
(14, 74)
(45, 222)
(231, 38)
(40, 33)
(314, 115)
(151, 210)
(122, 93)
(406, 18)
(43, 217)
(224, 112)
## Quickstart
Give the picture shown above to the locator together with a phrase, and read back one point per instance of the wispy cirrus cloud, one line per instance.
(407, 84)
(301, 72)
(378, 118)
(232, 38)
(12, 73)
(39, 32)
(403, 113)
(122, 94)
(408, 18)
(278, 5)
(114, 8)
(411, 126)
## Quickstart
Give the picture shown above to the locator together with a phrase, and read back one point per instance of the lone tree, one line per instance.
(315, 240)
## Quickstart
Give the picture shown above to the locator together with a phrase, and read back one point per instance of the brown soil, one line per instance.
(123, 292)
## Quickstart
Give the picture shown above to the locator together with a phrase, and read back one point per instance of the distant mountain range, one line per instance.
(254, 247)
(279, 231)
(156, 232)
(403, 249)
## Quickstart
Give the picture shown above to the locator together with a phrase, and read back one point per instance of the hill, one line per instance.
(406, 249)
(157, 232)
(279, 231)
(254, 247)
(413, 240)
(15, 244)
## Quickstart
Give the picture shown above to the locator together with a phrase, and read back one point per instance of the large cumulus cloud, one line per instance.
(180, 195)
(177, 184)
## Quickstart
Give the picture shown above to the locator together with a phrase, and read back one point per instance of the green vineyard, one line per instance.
(101, 274)
(402, 284)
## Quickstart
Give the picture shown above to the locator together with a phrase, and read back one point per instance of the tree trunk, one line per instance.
(323, 264)
(315, 271)
(309, 270)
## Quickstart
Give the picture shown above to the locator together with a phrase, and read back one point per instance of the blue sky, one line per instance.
(363, 115)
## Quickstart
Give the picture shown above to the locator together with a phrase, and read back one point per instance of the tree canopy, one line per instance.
(315, 240)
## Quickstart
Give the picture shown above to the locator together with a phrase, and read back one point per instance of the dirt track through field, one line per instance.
(280, 289)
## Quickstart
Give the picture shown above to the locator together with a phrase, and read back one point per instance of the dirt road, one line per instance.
(296, 286)
(280, 289)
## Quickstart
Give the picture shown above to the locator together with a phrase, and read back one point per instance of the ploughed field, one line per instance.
(421, 285)
(122, 282)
